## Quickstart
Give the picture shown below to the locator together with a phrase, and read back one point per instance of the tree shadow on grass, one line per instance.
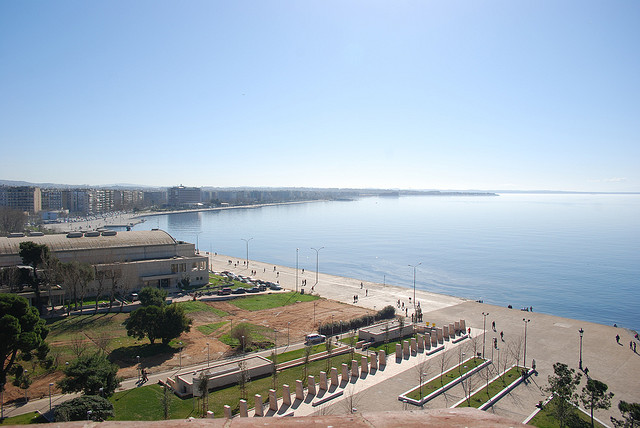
(127, 356)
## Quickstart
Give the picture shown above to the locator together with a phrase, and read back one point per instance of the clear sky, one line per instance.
(390, 94)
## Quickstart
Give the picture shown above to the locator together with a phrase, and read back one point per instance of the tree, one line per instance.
(563, 386)
(34, 255)
(594, 396)
(308, 349)
(174, 323)
(11, 220)
(328, 345)
(243, 378)
(150, 296)
(22, 333)
(630, 414)
(101, 279)
(145, 321)
(202, 387)
(156, 322)
(89, 373)
(71, 275)
(78, 409)
(166, 402)
(242, 333)
(86, 274)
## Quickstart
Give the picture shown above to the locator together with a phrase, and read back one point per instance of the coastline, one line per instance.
(131, 219)
(548, 339)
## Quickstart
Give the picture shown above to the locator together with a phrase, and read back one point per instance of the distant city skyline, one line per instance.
(496, 95)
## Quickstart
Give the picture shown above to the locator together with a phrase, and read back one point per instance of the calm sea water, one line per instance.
(575, 256)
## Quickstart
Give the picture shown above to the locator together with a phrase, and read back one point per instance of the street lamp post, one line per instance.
(288, 331)
(26, 391)
(297, 251)
(208, 355)
(101, 392)
(180, 343)
(581, 331)
(524, 360)
(414, 286)
(317, 250)
(50, 385)
(247, 242)
(484, 329)
(138, 358)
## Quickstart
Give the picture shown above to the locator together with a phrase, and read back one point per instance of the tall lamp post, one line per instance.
(247, 242)
(138, 358)
(414, 286)
(297, 250)
(484, 330)
(50, 385)
(208, 359)
(524, 360)
(581, 331)
(317, 250)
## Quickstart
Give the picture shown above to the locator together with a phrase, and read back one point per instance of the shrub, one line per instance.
(77, 409)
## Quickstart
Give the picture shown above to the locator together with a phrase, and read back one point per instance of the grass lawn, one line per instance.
(268, 301)
(198, 306)
(26, 419)
(447, 377)
(260, 335)
(545, 419)
(299, 353)
(145, 404)
(231, 395)
(210, 328)
(68, 328)
(481, 397)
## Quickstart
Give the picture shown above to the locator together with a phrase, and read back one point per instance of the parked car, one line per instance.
(312, 339)
(253, 290)
(275, 287)
(224, 291)
(262, 287)
(239, 290)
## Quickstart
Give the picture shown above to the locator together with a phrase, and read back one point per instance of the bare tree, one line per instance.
(202, 386)
(328, 345)
(166, 402)
(78, 346)
(11, 220)
(421, 373)
(351, 400)
(469, 385)
(114, 274)
(71, 275)
(101, 279)
(102, 342)
(515, 349)
(243, 378)
(274, 370)
(305, 369)
(443, 362)
(86, 274)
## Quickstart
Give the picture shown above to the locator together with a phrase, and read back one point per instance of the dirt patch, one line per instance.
(292, 323)
(38, 389)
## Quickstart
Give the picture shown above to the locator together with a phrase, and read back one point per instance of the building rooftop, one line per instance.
(61, 242)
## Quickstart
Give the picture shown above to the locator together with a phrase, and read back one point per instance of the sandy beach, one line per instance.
(549, 339)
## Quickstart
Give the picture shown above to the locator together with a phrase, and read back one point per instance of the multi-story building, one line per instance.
(51, 199)
(182, 196)
(23, 198)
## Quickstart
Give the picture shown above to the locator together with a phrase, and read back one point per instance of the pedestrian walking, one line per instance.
(493, 325)
(618, 339)
(502, 336)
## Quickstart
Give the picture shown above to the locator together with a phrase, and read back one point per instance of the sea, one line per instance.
(571, 255)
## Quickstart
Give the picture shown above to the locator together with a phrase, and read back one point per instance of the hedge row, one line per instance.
(339, 327)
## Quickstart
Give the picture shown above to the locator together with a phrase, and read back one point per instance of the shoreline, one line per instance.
(549, 338)
(132, 219)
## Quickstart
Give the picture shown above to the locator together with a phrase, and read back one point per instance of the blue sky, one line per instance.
(394, 94)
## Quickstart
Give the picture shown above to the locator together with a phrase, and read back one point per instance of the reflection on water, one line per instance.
(561, 254)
